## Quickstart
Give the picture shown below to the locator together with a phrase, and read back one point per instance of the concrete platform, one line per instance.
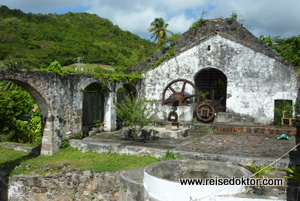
(202, 142)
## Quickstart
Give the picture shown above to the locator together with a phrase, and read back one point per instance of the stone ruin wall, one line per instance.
(60, 100)
(67, 185)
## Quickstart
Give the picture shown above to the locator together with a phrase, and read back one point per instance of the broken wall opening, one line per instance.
(283, 108)
(212, 86)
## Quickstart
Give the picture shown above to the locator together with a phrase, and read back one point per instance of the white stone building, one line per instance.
(225, 61)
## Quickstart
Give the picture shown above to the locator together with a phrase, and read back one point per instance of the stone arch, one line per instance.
(46, 131)
(124, 90)
(213, 83)
(42, 104)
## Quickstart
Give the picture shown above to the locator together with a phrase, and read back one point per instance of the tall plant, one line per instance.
(135, 113)
(294, 173)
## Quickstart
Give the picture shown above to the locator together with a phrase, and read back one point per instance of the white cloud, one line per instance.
(180, 23)
(42, 6)
(267, 17)
(136, 20)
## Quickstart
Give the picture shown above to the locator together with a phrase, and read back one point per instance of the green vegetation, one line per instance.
(135, 113)
(288, 48)
(18, 121)
(171, 156)
(283, 106)
(236, 17)
(30, 41)
(293, 173)
(19, 162)
(89, 160)
(260, 170)
(209, 130)
(88, 68)
(195, 25)
(10, 158)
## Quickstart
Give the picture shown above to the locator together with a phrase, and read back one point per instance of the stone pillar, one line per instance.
(110, 118)
(292, 189)
(47, 139)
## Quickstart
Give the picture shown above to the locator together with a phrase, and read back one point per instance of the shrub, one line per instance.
(135, 113)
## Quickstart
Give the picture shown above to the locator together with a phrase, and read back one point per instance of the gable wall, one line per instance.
(254, 80)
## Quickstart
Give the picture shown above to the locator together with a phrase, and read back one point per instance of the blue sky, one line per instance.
(261, 17)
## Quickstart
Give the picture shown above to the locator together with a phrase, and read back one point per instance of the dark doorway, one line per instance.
(212, 85)
(93, 105)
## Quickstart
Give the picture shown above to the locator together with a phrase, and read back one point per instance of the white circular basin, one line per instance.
(161, 180)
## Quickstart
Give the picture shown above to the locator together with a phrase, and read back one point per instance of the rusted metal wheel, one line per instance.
(173, 116)
(176, 93)
(205, 112)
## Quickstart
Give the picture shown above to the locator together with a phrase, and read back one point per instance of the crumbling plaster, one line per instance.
(255, 80)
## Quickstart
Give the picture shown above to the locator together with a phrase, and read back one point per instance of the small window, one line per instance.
(280, 106)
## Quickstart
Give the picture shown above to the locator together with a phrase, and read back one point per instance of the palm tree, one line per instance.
(159, 31)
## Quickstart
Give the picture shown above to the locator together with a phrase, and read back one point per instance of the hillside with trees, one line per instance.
(30, 41)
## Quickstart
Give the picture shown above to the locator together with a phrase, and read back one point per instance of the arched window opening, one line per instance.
(212, 85)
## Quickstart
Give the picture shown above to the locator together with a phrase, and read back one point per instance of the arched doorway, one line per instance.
(212, 85)
(93, 106)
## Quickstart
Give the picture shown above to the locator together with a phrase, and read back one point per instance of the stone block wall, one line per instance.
(67, 185)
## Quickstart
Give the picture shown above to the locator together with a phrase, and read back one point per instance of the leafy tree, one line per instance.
(14, 106)
(288, 48)
(159, 31)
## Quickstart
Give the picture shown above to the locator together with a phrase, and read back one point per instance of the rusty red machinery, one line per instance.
(179, 95)
(176, 94)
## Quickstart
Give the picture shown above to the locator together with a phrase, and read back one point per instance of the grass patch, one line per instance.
(27, 163)
(89, 67)
(195, 139)
(209, 131)
(9, 158)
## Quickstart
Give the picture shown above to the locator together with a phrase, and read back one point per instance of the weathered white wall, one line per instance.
(255, 80)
